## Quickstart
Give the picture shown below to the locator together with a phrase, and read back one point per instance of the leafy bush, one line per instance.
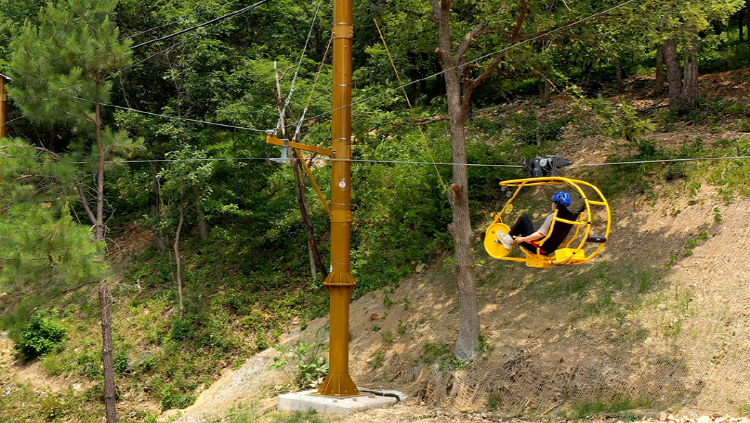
(173, 396)
(41, 335)
(312, 365)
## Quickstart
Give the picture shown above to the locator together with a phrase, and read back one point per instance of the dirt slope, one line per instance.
(545, 355)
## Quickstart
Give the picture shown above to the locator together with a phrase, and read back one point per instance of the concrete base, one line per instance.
(304, 401)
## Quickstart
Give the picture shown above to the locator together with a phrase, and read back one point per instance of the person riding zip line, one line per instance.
(523, 232)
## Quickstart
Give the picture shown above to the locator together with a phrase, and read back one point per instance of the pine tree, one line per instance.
(61, 69)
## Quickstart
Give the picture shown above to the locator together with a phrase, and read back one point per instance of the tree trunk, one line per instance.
(588, 67)
(155, 202)
(744, 13)
(465, 348)
(202, 224)
(468, 331)
(683, 86)
(618, 76)
(740, 24)
(718, 27)
(99, 231)
(545, 90)
(178, 273)
(659, 70)
(107, 358)
(312, 246)
(313, 263)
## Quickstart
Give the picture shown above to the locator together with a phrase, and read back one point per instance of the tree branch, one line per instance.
(444, 58)
(75, 288)
(478, 30)
(475, 83)
(427, 121)
(519, 23)
(85, 203)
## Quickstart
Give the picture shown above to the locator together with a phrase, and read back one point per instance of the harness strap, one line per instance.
(544, 253)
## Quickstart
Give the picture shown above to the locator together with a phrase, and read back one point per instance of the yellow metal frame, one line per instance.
(565, 254)
(272, 140)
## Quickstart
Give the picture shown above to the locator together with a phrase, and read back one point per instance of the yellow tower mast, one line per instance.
(340, 282)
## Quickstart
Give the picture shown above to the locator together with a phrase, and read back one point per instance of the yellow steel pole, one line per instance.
(3, 106)
(340, 282)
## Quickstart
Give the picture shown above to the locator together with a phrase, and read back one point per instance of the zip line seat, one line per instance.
(558, 251)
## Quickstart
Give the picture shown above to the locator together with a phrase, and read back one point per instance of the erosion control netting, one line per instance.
(684, 346)
(709, 372)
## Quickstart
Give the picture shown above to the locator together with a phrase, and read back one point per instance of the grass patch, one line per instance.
(620, 407)
(604, 288)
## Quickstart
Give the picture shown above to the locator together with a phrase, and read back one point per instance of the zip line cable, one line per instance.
(184, 18)
(526, 41)
(695, 159)
(212, 21)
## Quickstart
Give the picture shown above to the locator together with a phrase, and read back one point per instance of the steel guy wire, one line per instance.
(178, 20)
(212, 21)
(177, 118)
(526, 41)
(13, 120)
(149, 57)
(299, 64)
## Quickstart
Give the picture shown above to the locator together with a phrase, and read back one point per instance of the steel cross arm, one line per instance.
(315, 184)
(271, 139)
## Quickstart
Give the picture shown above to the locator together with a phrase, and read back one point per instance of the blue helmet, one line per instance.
(561, 197)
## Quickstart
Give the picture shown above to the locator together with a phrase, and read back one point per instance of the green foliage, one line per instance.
(41, 244)
(41, 335)
(619, 405)
(494, 401)
(484, 347)
(173, 395)
(376, 358)
(621, 122)
(440, 354)
(312, 364)
(60, 67)
(534, 133)
(387, 337)
(603, 290)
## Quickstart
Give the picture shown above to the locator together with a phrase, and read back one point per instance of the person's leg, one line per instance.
(524, 226)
